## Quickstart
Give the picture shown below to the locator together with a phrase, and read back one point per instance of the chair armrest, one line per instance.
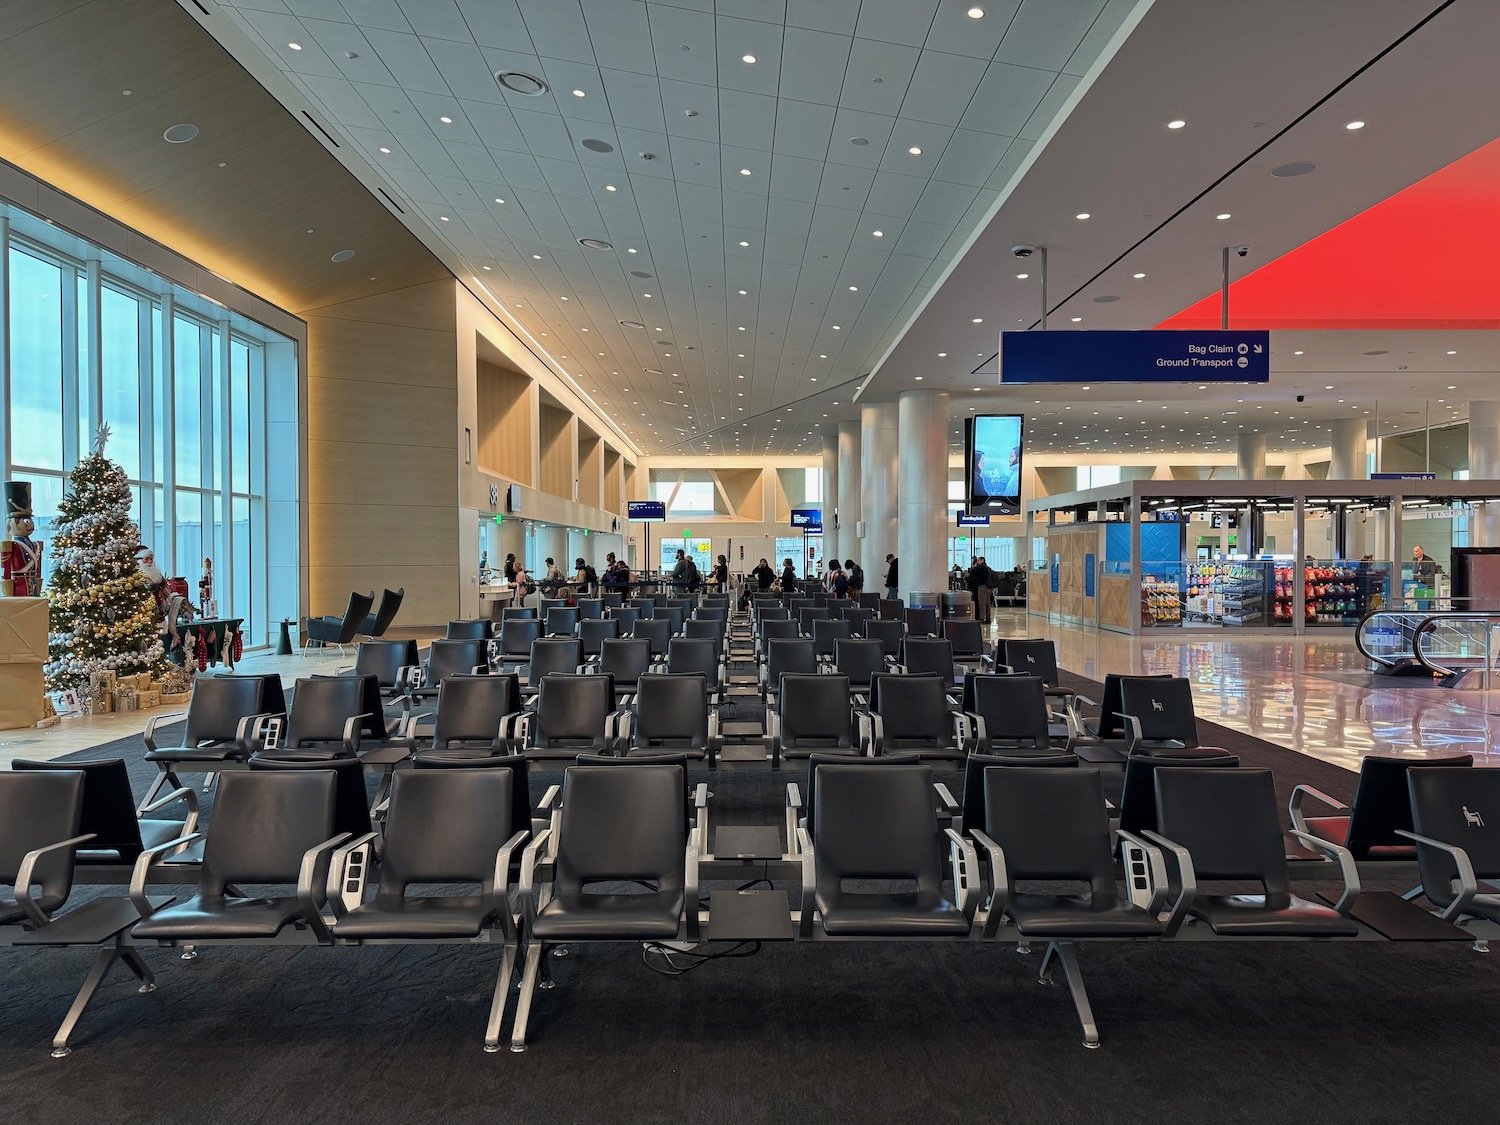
(700, 807)
(521, 731)
(414, 723)
(809, 883)
(527, 891)
(249, 731)
(999, 884)
(793, 815)
(947, 806)
(1132, 731)
(963, 730)
(190, 823)
(352, 727)
(149, 735)
(142, 870)
(696, 845)
(338, 864)
(715, 737)
(1300, 794)
(552, 794)
(24, 872)
(1347, 868)
(773, 737)
(967, 887)
(1156, 872)
(624, 726)
(1468, 884)
(500, 884)
(344, 671)
(1185, 875)
(311, 875)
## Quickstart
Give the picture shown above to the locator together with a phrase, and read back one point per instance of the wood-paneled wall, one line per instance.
(506, 443)
(555, 433)
(614, 481)
(590, 468)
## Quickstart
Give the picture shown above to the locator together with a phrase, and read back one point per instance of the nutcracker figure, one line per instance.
(22, 555)
(206, 589)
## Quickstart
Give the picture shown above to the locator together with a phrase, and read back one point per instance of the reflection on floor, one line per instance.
(1277, 688)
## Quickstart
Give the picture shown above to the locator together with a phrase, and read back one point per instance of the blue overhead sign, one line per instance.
(966, 520)
(1403, 476)
(1151, 356)
(646, 511)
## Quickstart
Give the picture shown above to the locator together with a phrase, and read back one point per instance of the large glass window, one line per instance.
(182, 385)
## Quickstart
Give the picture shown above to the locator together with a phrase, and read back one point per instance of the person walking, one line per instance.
(892, 583)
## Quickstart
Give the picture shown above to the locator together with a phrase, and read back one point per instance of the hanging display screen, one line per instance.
(992, 464)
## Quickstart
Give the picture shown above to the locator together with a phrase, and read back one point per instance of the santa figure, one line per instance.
(22, 556)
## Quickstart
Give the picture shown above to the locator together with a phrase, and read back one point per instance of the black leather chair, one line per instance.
(671, 714)
(573, 715)
(1010, 716)
(269, 828)
(675, 616)
(891, 609)
(1137, 811)
(700, 657)
(857, 617)
(1458, 848)
(1038, 658)
(812, 713)
(775, 629)
(446, 826)
(889, 632)
(326, 720)
(694, 630)
(41, 829)
(513, 647)
(518, 613)
(645, 609)
(657, 630)
(478, 629)
(870, 602)
(617, 824)
(1101, 740)
(627, 616)
(340, 631)
(1052, 825)
(351, 801)
(967, 638)
(910, 714)
(800, 807)
(390, 662)
(1158, 714)
(1370, 828)
(1222, 824)
(932, 655)
(783, 655)
(921, 621)
(220, 728)
(593, 633)
(826, 632)
(875, 821)
(551, 655)
(972, 804)
(474, 720)
(858, 659)
(809, 614)
(590, 609)
(378, 622)
(562, 621)
(625, 660)
(447, 658)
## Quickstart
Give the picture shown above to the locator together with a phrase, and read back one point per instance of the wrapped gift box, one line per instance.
(23, 651)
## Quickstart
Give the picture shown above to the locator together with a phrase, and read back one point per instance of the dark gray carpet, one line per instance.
(867, 1032)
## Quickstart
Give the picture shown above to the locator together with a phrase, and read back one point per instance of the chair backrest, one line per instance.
(1228, 821)
(928, 654)
(551, 655)
(888, 631)
(779, 629)
(694, 655)
(372, 703)
(517, 635)
(772, 612)
(966, 636)
(826, 633)
(447, 658)
(857, 618)
(875, 820)
(658, 631)
(1164, 709)
(627, 616)
(797, 605)
(859, 659)
(108, 810)
(1014, 709)
(390, 603)
(622, 823)
(891, 609)
(670, 709)
(976, 764)
(674, 615)
(562, 621)
(1112, 703)
(217, 705)
(1382, 801)
(815, 711)
(468, 630)
(704, 630)
(351, 802)
(914, 711)
(660, 601)
(1052, 824)
(384, 659)
(809, 614)
(791, 654)
(517, 613)
(1035, 657)
(680, 603)
(320, 708)
(470, 708)
(590, 609)
(922, 621)
(355, 614)
(645, 608)
(573, 708)
(625, 658)
(1458, 807)
(264, 822)
(711, 613)
(592, 633)
(1138, 792)
(870, 601)
(547, 603)
(612, 599)
(37, 809)
(514, 764)
(445, 826)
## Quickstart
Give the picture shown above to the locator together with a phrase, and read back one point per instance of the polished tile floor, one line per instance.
(1308, 694)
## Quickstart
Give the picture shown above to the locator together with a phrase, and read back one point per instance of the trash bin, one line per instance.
(960, 603)
(928, 599)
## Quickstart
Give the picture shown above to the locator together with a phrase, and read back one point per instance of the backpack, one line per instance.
(591, 576)
(857, 578)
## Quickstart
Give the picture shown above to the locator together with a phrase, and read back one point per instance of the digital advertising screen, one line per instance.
(809, 520)
(992, 464)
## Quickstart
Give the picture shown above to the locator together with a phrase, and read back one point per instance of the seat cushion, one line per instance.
(302, 754)
(208, 918)
(1485, 906)
(1057, 916)
(808, 748)
(890, 915)
(467, 755)
(218, 752)
(1335, 829)
(444, 917)
(1248, 916)
(602, 917)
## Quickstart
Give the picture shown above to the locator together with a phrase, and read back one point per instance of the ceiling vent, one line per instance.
(596, 244)
(519, 82)
(180, 134)
(594, 144)
(1296, 168)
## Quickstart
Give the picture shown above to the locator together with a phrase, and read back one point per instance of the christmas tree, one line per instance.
(103, 614)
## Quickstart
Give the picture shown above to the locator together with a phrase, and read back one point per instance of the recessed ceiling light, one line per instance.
(822, 355)
(1022, 276)
(854, 288)
(1137, 276)
(295, 46)
(1076, 319)
(1453, 388)
(1355, 125)
(1328, 387)
(610, 187)
(1296, 353)
(630, 249)
(744, 171)
(385, 150)
(345, 255)
(487, 269)
(976, 13)
(744, 244)
(747, 58)
(1081, 215)
(579, 94)
(743, 293)
(942, 355)
(1178, 124)
(180, 134)
(1452, 353)
(443, 218)
(914, 150)
(446, 120)
(538, 257)
(1221, 216)
(835, 327)
(918, 378)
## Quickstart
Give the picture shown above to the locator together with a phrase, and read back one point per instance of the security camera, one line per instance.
(1242, 250)
(1023, 250)
(1301, 398)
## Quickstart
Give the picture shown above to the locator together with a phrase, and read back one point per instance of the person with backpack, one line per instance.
(720, 579)
(682, 571)
(856, 577)
(694, 576)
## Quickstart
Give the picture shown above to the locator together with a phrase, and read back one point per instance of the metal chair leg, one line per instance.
(134, 963)
(95, 977)
(534, 957)
(502, 994)
(1068, 958)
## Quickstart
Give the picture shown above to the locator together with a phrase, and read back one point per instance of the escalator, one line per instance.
(1444, 645)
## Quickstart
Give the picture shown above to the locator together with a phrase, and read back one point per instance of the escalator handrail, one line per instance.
(1429, 622)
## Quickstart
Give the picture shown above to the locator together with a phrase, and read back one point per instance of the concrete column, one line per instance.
(879, 489)
(848, 494)
(1349, 461)
(922, 430)
(1484, 464)
(830, 492)
(551, 542)
(1250, 456)
(512, 542)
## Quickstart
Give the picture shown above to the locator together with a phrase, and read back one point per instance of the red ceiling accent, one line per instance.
(1427, 257)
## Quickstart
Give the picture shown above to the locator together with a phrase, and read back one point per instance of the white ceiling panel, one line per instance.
(812, 65)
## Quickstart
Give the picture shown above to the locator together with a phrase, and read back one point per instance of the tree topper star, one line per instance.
(101, 437)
